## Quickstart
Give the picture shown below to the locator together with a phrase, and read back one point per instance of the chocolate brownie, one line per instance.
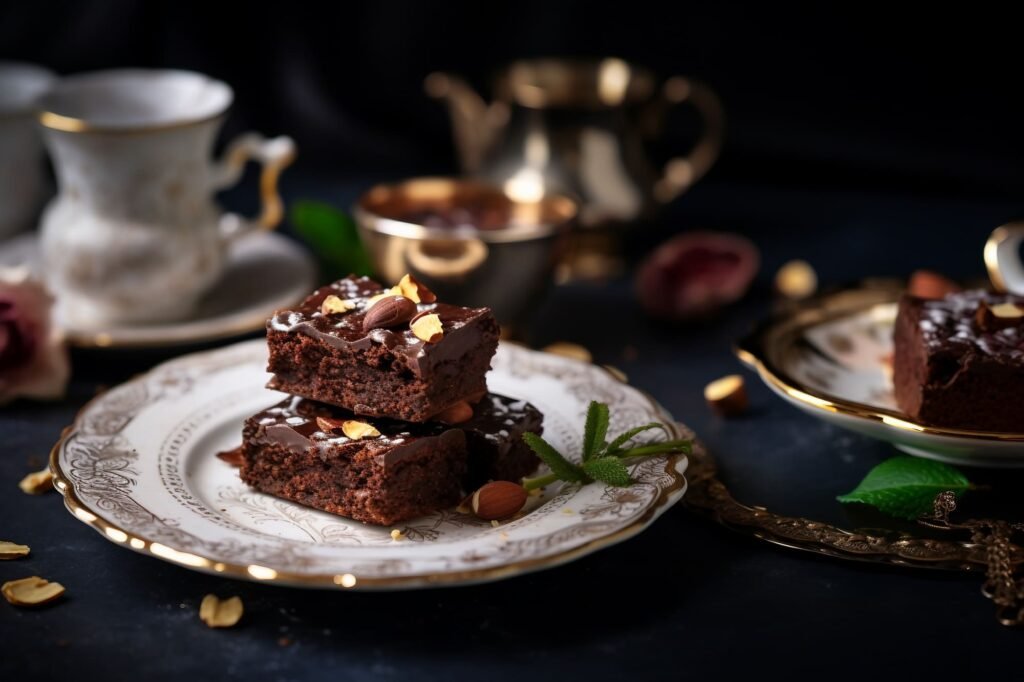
(387, 371)
(494, 435)
(959, 364)
(407, 471)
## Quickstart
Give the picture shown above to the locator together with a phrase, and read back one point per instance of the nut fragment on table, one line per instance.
(930, 285)
(727, 396)
(569, 350)
(220, 614)
(34, 591)
(397, 535)
(796, 280)
(10, 550)
(998, 317)
(498, 500)
(37, 482)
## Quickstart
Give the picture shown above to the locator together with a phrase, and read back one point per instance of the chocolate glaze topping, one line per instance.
(949, 323)
(292, 423)
(346, 329)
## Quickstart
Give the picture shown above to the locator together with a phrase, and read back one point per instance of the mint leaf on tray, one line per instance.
(906, 487)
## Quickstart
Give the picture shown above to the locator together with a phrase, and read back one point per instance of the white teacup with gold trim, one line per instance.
(134, 234)
(1003, 258)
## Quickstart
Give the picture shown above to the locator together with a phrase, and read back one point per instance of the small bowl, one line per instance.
(470, 242)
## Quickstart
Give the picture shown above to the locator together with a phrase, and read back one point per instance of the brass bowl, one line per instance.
(507, 264)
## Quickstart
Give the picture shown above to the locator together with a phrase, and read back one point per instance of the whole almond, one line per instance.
(498, 500)
(389, 312)
(455, 414)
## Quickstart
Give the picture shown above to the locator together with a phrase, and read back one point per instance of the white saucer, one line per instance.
(264, 272)
(831, 358)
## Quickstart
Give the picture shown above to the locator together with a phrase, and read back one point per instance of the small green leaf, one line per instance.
(332, 236)
(906, 487)
(595, 430)
(559, 465)
(608, 470)
(616, 445)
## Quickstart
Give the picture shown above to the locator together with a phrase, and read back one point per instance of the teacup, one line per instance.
(134, 235)
(23, 182)
(1003, 258)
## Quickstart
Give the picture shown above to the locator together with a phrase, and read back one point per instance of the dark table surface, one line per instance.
(684, 600)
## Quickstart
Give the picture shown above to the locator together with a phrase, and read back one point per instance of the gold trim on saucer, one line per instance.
(143, 545)
(758, 349)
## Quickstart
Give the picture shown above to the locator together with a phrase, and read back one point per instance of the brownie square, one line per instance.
(407, 471)
(494, 436)
(951, 368)
(384, 372)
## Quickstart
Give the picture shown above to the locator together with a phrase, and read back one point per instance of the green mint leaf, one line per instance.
(559, 465)
(608, 470)
(683, 446)
(906, 487)
(333, 238)
(616, 445)
(595, 430)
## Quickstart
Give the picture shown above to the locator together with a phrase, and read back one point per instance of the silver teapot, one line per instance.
(579, 127)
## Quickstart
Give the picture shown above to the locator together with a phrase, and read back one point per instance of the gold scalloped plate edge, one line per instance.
(752, 351)
(675, 467)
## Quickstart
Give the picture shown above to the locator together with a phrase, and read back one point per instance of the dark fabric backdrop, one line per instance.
(921, 102)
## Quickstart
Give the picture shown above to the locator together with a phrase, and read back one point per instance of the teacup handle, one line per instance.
(1003, 259)
(274, 155)
(683, 171)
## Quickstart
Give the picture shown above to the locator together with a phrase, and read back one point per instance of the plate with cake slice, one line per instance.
(938, 377)
(352, 449)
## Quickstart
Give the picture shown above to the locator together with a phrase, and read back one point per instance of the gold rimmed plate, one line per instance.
(139, 466)
(263, 273)
(831, 357)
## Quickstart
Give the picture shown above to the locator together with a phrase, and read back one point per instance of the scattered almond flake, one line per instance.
(37, 483)
(568, 511)
(727, 396)
(1007, 310)
(10, 550)
(356, 430)
(427, 328)
(503, 535)
(220, 614)
(569, 350)
(332, 305)
(397, 535)
(33, 591)
(393, 291)
(536, 492)
(796, 280)
(494, 523)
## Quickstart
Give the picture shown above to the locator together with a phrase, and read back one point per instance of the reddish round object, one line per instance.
(695, 274)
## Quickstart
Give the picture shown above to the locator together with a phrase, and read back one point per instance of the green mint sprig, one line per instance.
(601, 460)
(905, 487)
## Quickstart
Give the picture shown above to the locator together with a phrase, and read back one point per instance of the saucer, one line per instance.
(831, 358)
(263, 273)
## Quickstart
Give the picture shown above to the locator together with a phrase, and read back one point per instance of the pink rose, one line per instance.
(33, 358)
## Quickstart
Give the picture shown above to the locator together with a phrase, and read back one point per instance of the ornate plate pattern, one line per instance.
(830, 357)
(138, 465)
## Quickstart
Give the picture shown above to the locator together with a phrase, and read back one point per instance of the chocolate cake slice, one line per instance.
(298, 450)
(380, 366)
(959, 361)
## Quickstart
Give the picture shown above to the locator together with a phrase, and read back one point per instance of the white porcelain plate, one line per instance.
(263, 273)
(139, 466)
(832, 359)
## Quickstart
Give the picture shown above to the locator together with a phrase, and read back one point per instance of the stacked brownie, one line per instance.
(389, 416)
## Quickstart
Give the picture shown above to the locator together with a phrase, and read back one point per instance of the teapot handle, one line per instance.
(683, 171)
(1003, 259)
(274, 155)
